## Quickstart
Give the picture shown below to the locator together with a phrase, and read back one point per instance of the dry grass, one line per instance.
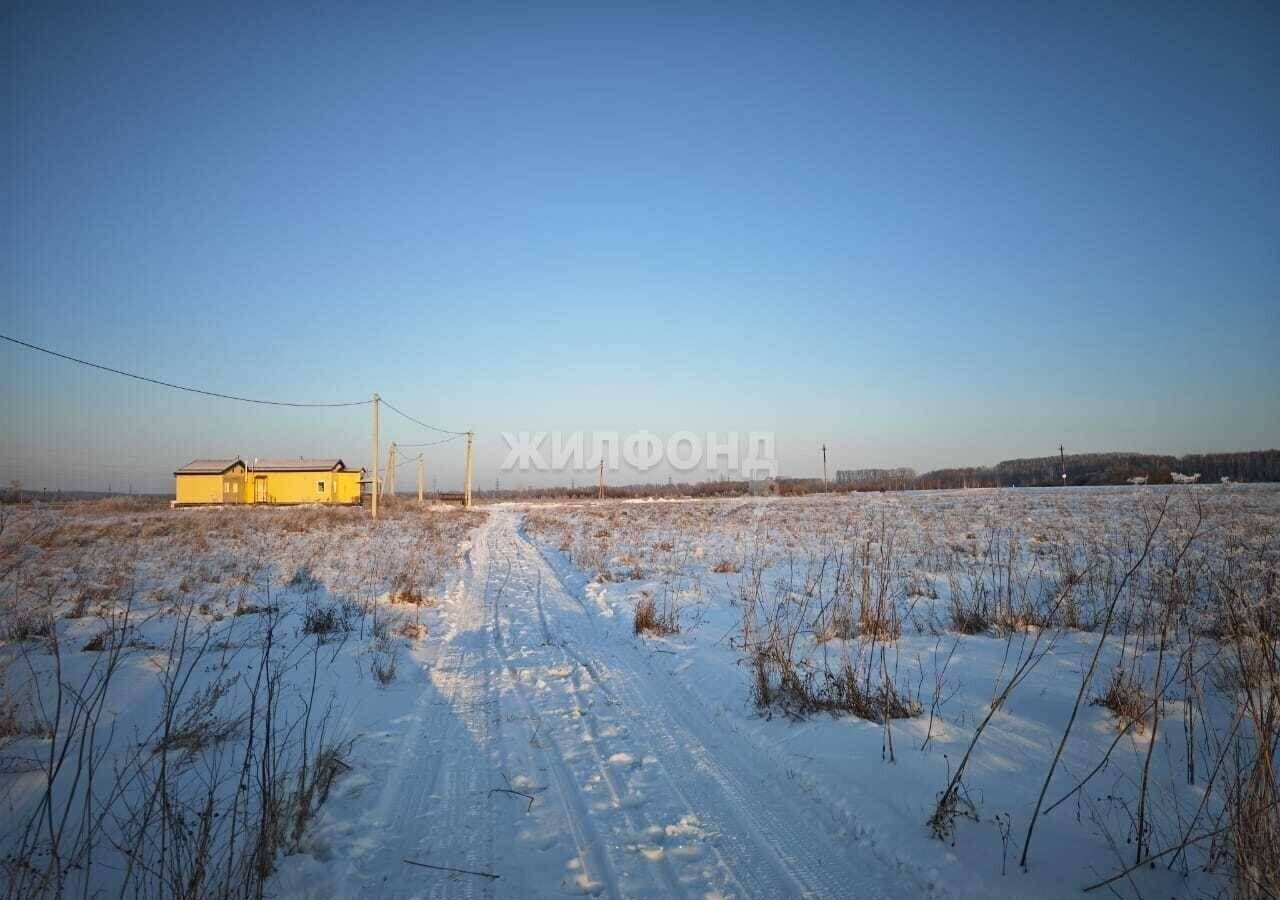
(137, 583)
(10, 713)
(649, 620)
(99, 641)
(1125, 698)
(323, 620)
(825, 591)
(414, 631)
(405, 589)
(27, 625)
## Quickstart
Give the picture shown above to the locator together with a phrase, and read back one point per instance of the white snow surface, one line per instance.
(640, 787)
(531, 745)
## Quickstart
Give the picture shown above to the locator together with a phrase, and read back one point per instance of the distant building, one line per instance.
(863, 476)
(218, 482)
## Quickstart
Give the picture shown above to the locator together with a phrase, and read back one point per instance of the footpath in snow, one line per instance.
(541, 748)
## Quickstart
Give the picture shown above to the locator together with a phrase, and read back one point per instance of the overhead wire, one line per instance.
(453, 435)
(422, 423)
(433, 443)
(179, 387)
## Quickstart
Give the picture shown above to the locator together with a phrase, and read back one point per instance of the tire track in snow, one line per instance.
(428, 807)
(600, 875)
(802, 861)
(592, 738)
(743, 878)
(727, 848)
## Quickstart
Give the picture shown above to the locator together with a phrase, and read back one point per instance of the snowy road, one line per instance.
(547, 749)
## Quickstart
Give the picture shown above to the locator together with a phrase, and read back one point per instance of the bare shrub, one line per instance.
(27, 625)
(303, 580)
(10, 713)
(404, 589)
(412, 630)
(99, 642)
(384, 651)
(324, 620)
(1125, 698)
(249, 608)
(384, 669)
(970, 619)
(798, 691)
(838, 625)
(852, 692)
(921, 585)
(1252, 840)
(648, 619)
(80, 604)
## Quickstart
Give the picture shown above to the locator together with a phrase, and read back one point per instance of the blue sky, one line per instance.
(926, 236)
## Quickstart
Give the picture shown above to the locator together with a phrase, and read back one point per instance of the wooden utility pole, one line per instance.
(420, 474)
(466, 487)
(1062, 454)
(824, 463)
(390, 482)
(377, 450)
(600, 491)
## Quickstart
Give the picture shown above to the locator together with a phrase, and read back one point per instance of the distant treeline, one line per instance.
(1110, 468)
(1082, 469)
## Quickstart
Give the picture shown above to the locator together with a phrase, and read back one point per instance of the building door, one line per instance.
(260, 489)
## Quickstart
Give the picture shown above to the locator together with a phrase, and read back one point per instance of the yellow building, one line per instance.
(226, 481)
(204, 481)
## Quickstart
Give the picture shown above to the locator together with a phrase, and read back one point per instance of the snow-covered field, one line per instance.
(793, 615)
(293, 703)
(182, 689)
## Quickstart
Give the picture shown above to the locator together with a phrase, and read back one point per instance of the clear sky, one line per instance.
(926, 234)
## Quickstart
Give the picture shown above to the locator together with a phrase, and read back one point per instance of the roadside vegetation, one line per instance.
(174, 684)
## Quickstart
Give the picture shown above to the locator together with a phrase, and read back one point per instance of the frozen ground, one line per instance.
(634, 787)
(531, 744)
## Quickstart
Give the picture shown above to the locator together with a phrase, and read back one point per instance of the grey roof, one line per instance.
(208, 466)
(297, 465)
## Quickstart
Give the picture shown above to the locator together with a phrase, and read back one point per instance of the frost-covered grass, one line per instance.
(1103, 664)
(181, 689)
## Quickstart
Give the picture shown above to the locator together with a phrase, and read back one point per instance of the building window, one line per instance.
(319, 487)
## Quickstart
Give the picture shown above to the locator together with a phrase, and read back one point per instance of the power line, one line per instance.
(420, 422)
(431, 443)
(179, 387)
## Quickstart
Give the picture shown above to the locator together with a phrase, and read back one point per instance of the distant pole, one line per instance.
(391, 470)
(466, 488)
(824, 464)
(377, 450)
(1062, 454)
(420, 474)
(600, 491)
